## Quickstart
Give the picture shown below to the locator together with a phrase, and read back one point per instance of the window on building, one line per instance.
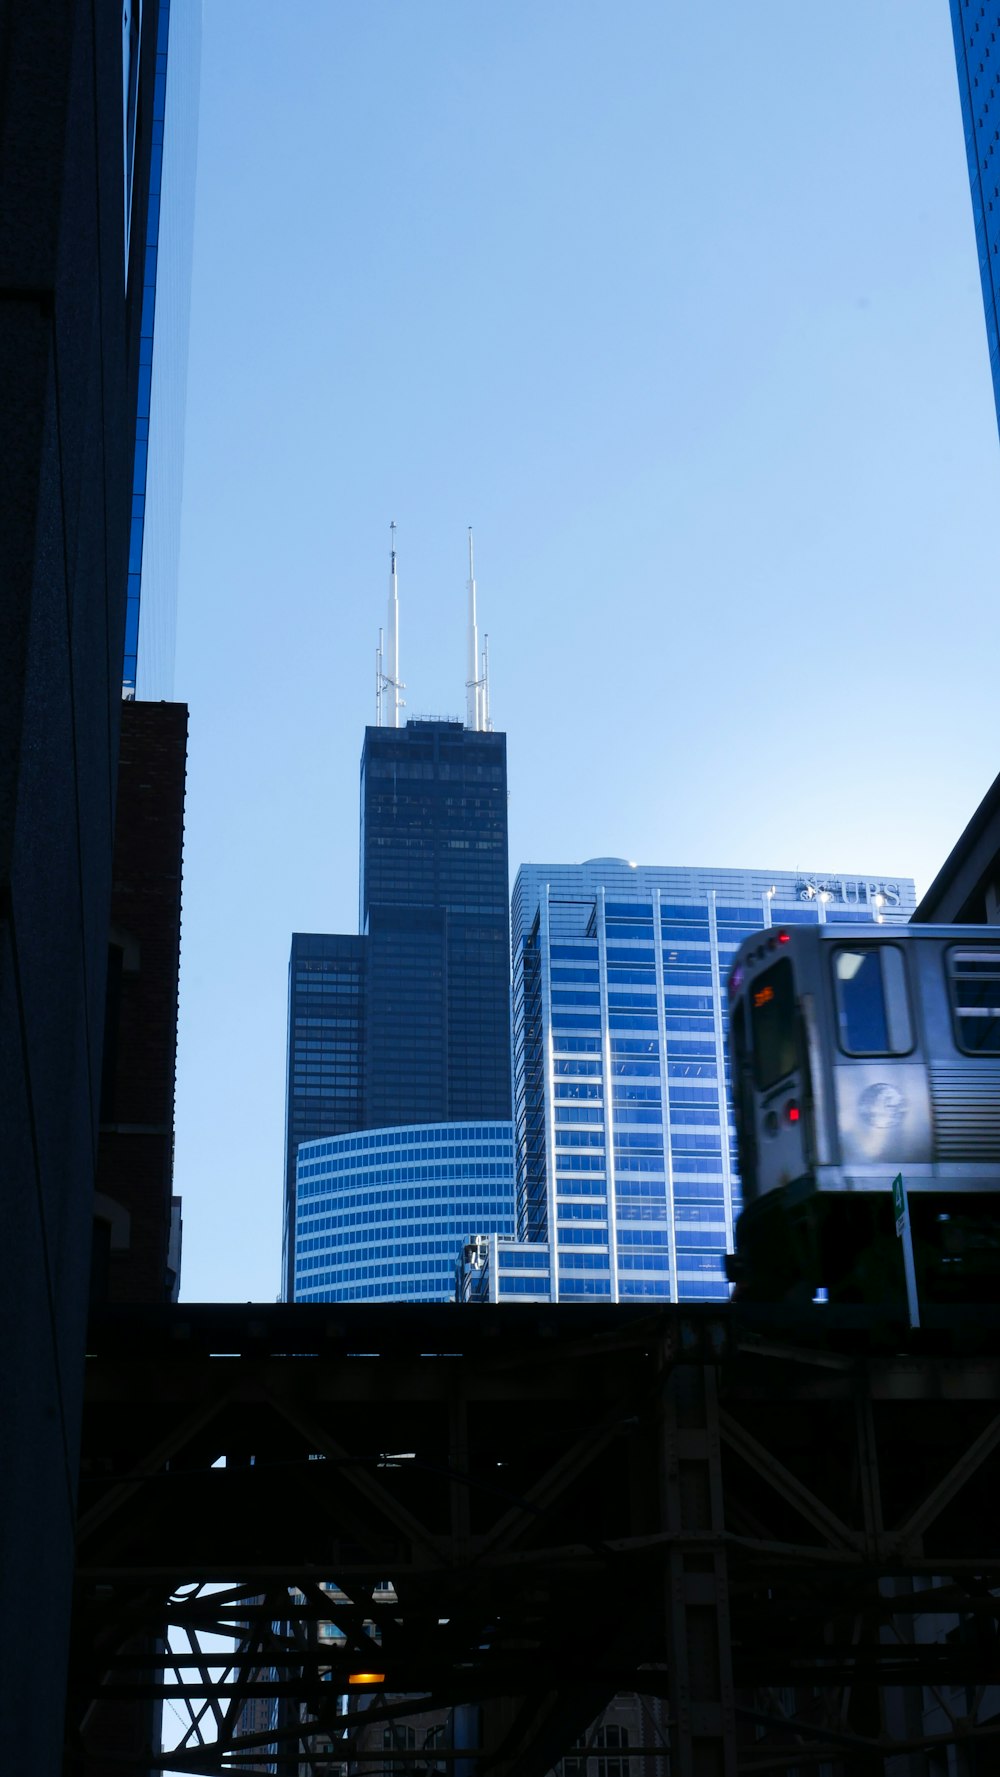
(398, 1737)
(600, 1754)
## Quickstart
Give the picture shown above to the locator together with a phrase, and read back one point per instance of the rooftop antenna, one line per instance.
(473, 681)
(487, 718)
(388, 702)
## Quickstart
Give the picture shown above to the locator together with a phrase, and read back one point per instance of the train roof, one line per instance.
(837, 931)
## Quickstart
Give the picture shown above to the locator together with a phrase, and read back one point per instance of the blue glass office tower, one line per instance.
(408, 1023)
(625, 1147)
(976, 29)
(382, 1215)
(151, 611)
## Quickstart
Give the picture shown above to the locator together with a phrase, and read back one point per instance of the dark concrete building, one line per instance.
(136, 1254)
(409, 1022)
(966, 889)
(75, 143)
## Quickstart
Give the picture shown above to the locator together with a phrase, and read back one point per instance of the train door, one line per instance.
(880, 1083)
(963, 1057)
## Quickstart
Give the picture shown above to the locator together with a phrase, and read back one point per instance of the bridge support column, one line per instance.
(702, 1704)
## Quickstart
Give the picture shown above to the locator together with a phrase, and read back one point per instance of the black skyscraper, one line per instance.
(410, 1022)
(76, 122)
(434, 903)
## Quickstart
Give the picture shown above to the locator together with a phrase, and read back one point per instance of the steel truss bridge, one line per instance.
(779, 1526)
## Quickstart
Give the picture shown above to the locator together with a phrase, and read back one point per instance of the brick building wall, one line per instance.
(135, 1158)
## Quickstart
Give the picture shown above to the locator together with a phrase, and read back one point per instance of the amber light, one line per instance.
(366, 1678)
(765, 994)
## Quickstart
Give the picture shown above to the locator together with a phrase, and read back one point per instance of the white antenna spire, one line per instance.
(487, 718)
(473, 683)
(388, 702)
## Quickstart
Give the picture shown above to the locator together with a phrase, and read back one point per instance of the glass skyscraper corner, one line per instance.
(497, 1268)
(976, 30)
(627, 1181)
(154, 543)
(325, 1078)
(382, 1214)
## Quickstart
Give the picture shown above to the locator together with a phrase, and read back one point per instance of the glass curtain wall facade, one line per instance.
(325, 1081)
(976, 30)
(383, 1214)
(434, 903)
(624, 1137)
(154, 543)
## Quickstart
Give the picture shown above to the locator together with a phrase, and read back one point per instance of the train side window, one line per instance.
(873, 1011)
(975, 998)
(772, 1021)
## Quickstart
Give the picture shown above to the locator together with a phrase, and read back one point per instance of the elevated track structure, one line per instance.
(781, 1526)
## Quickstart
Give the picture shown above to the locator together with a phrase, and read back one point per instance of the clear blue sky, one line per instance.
(679, 307)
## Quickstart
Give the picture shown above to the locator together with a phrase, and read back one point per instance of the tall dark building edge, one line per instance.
(136, 1216)
(409, 1022)
(154, 543)
(74, 164)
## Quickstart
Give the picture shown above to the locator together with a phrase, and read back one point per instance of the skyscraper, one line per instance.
(627, 1183)
(407, 1024)
(325, 1082)
(434, 895)
(154, 539)
(74, 179)
(976, 30)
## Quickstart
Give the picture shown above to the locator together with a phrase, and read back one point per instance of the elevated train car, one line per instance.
(857, 1054)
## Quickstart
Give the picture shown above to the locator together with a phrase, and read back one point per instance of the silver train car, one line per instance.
(857, 1053)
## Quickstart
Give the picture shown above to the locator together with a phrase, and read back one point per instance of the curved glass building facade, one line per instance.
(383, 1214)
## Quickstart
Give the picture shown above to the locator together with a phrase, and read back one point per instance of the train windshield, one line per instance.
(772, 1020)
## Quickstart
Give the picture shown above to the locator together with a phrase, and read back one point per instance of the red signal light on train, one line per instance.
(792, 1111)
(784, 938)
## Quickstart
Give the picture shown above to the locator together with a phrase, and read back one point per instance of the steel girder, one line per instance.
(763, 1519)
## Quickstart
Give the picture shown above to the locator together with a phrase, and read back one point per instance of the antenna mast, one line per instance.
(388, 702)
(473, 684)
(487, 718)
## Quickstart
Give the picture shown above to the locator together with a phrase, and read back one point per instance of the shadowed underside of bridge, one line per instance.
(527, 1510)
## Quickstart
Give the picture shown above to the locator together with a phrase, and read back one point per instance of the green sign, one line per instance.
(898, 1199)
